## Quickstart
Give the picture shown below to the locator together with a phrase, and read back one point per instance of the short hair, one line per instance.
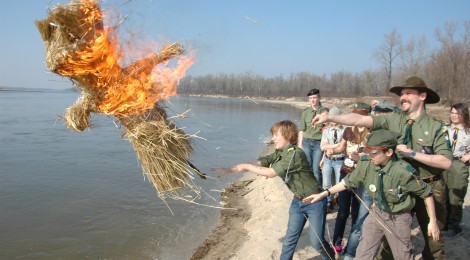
(288, 130)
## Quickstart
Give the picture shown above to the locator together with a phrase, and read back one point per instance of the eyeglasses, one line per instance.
(375, 153)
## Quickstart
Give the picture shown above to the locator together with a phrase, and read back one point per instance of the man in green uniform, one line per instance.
(309, 135)
(391, 183)
(422, 143)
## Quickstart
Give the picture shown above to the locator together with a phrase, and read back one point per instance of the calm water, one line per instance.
(66, 195)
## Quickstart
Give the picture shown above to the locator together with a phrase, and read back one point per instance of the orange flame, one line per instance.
(122, 91)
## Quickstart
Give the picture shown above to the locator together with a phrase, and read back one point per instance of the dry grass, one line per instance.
(80, 47)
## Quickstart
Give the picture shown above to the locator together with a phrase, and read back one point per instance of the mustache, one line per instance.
(404, 100)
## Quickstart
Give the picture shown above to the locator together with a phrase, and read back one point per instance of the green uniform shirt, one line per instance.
(306, 123)
(427, 135)
(292, 166)
(399, 183)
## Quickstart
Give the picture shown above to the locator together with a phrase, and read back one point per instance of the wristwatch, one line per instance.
(413, 155)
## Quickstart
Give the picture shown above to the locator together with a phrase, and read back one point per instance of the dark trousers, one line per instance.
(456, 180)
(348, 203)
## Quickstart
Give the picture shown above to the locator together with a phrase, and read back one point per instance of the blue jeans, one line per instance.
(356, 231)
(328, 167)
(314, 154)
(348, 203)
(299, 212)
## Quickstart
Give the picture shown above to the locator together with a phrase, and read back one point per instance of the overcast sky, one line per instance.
(269, 38)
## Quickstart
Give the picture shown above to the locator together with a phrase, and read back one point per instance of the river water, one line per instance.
(67, 195)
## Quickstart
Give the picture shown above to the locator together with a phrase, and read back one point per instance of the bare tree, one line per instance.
(386, 54)
(450, 60)
(414, 58)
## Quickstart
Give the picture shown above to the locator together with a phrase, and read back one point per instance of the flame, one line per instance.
(121, 91)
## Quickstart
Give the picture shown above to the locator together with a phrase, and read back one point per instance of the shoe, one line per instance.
(338, 249)
(452, 233)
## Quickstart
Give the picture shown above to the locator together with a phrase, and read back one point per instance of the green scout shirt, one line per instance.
(399, 183)
(292, 166)
(306, 123)
(427, 135)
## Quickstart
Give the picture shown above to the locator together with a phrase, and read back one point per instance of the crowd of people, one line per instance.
(381, 165)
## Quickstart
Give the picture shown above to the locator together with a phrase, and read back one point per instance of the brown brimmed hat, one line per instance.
(418, 84)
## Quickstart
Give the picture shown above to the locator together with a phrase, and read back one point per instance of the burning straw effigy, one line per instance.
(81, 47)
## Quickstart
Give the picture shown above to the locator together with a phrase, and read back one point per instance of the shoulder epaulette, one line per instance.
(410, 169)
(365, 157)
(444, 128)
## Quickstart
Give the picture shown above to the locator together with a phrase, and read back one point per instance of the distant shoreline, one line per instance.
(20, 89)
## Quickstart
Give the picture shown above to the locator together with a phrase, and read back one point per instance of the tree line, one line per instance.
(446, 69)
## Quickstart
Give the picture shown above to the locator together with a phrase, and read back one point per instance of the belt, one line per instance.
(312, 140)
(431, 179)
(336, 158)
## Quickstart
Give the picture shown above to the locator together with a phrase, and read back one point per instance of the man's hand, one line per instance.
(404, 151)
(433, 230)
(465, 158)
(355, 156)
(319, 120)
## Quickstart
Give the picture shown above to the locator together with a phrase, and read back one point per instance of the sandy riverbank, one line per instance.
(254, 223)
(256, 227)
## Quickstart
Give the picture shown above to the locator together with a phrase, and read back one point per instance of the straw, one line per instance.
(80, 47)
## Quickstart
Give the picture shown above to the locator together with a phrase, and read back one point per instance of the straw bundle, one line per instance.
(80, 47)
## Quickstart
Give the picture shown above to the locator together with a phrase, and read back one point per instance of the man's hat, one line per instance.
(361, 108)
(381, 139)
(313, 91)
(418, 84)
(386, 106)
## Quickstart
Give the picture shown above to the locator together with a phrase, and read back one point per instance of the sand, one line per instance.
(255, 219)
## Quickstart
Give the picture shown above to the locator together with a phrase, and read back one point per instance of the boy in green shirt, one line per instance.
(392, 184)
(290, 163)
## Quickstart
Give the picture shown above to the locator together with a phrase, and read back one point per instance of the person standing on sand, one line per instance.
(393, 185)
(456, 178)
(290, 164)
(422, 143)
(330, 140)
(309, 135)
(353, 143)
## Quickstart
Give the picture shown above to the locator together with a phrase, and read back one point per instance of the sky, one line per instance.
(267, 38)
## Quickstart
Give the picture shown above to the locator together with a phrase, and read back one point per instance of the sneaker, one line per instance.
(452, 233)
(338, 249)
